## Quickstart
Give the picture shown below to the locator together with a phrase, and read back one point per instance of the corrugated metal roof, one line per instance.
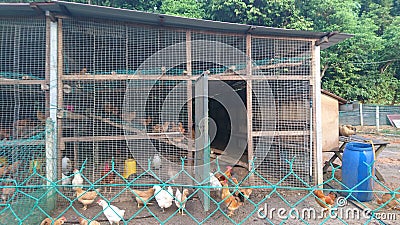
(102, 12)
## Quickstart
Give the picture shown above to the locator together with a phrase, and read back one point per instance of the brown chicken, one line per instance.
(161, 128)
(232, 202)
(5, 133)
(177, 128)
(144, 196)
(387, 198)
(347, 130)
(108, 175)
(86, 198)
(110, 109)
(41, 116)
(325, 201)
(7, 191)
(86, 222)
(243, 193)
(59, 221)
(11, 169)
(227, 174)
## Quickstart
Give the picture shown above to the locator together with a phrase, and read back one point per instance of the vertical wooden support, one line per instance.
(59, 104)
(202, 154)
(316, 132)
(51, 147)
(189, 98)
(249, 96)
(361, 115)
(377, 118)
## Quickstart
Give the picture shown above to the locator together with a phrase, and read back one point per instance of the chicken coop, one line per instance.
(124, 88)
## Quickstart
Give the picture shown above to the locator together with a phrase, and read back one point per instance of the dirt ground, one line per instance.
(388, 163)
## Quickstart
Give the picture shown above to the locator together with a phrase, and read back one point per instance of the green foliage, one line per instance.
(283, 13)
(186, 8)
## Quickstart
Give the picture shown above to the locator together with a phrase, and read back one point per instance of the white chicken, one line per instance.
(164, 198)
(214, 182)
(66, 165)
(156, 161)
(78, 180)
(65, 180)
(180, 199)
(113, 213)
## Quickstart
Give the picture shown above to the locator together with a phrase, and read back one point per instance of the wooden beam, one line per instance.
(249, 101)
(280, 133)
(189, 93)
(4, 81)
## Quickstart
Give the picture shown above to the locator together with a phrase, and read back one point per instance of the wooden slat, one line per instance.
(22, 142)
(279, 133)
(14, 81)
(221, 76)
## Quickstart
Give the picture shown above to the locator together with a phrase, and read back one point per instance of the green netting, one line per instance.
(29, 196)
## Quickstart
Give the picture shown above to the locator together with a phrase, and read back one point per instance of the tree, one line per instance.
(272, 13)
(186, 8)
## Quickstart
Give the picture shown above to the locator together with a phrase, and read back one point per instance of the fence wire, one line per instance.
(31, 197)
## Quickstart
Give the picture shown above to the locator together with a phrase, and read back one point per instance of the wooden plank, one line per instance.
(59, 133)
(189, 93)
(280, 133)
(249, 100)
(4, 81)
(22, 142)
(220, 76)
(101, 77)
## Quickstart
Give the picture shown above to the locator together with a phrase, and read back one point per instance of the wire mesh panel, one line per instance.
(23, 115)
(137, 103)
(285, 118)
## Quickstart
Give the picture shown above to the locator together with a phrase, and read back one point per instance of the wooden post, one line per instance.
(249, 106)
(51, 147)
(377, 117)
(361, 115)
(202, 142)
(316, 117)
(189, 98)
(58, 104)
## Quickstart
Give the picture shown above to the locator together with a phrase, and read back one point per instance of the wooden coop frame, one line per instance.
(65, 22)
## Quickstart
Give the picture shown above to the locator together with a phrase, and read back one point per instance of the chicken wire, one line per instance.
(156, 95)
(23, 112)
(284, 118)
(121, 119)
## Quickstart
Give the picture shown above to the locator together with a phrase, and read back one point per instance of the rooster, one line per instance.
(49, 221)
(243, 193)
(226, 175)
(325, 201)
(86, 197)
(180, 199)
(86, 222)
(232, 202)
(108, 176)
(143, 196)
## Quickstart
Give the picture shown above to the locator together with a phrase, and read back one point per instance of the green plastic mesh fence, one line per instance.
(29, 196)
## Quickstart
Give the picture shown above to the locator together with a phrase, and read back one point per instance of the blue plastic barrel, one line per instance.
(357, 163)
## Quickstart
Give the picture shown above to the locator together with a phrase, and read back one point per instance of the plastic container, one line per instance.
(129, 168)
(357, 163)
